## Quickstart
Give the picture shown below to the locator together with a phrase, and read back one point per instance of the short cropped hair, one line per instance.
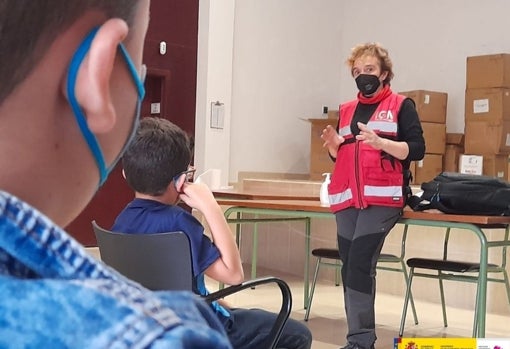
(376, 50)
(159, 152)
(28, 28)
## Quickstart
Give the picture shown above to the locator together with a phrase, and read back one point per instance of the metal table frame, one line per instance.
(281, 210)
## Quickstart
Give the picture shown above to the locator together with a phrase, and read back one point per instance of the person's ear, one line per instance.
(383, 76)
(180, 183)
(92, 88)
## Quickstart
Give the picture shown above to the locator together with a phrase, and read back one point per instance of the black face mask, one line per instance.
(367, 84)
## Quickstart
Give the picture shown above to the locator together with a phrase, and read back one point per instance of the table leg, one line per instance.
(255, 249)
(306, 280)
(238, 230)
(479, 329)
(221, 285)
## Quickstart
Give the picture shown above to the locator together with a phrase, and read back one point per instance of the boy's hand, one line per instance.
(198, 196)
(332, 140)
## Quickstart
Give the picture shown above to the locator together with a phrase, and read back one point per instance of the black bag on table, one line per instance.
(456, 193)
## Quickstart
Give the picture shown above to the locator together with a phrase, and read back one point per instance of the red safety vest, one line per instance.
(365, 176)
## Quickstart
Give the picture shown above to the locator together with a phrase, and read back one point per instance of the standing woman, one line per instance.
(378, 135)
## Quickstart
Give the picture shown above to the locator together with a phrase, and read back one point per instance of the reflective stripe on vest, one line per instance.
(376, 126)
(345, 131)
(383, 126)
(386, 191)
(340, 197)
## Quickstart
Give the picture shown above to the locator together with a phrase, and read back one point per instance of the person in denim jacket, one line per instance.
(72, 84)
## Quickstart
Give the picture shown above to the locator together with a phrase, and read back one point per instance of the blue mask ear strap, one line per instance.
(90, 138)
(134, 73)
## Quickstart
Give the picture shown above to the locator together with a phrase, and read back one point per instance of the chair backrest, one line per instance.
(157, 261)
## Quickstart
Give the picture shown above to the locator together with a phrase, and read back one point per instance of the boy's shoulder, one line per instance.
(149, 216)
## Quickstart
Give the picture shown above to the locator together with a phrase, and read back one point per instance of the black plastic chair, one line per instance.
(163, 262)
(332, 259)
(447, 269)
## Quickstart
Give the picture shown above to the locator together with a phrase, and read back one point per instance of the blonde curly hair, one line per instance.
(376, 50)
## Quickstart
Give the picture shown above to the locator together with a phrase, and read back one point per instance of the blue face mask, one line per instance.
(90, 138)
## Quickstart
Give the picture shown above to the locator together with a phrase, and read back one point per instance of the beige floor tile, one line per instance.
(327, 319)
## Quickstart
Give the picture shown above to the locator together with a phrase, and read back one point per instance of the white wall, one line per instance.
(286, 67)
(288, 61)
(214, 84)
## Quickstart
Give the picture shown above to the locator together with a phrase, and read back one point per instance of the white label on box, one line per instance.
(507, 143)
(471, 164)
(426, 100)
(500, 174)
(481, 106)
(420, 163)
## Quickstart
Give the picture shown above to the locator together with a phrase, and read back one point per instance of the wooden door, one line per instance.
(171, 82)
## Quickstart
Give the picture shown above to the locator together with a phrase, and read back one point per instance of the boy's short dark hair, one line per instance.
(158, 153)
(28, 28)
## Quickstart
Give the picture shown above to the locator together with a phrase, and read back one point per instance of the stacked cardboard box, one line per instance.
(487, 112)
(454, 148)
(431, 108)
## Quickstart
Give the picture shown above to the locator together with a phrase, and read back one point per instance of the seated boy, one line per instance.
(156, 168)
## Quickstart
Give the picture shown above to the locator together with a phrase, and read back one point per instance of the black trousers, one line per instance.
(361, 235)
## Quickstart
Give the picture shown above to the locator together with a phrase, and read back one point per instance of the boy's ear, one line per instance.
(179, 184)
(92, 88)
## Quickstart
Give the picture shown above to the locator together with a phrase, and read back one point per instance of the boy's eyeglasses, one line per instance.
(189, 173)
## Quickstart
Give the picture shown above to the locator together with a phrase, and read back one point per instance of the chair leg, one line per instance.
(507, 285)
(413, 308)
(337, 273)
(406, 302)
(475, 322)
(443, 304)
(312, 290)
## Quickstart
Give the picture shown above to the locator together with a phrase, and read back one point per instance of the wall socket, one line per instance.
(324, 109)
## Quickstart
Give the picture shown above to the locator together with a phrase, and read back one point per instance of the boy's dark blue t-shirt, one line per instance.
(142, 216)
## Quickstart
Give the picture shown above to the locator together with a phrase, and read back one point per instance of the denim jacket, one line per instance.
(53, 294)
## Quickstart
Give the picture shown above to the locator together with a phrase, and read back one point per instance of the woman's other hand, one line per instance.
(332, 140)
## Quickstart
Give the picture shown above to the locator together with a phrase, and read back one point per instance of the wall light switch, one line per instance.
(155, 108)
(162, 48)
